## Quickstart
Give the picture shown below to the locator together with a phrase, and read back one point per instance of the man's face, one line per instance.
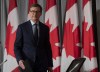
(35, 13)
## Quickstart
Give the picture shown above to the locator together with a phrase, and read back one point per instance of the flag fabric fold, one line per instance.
(51, 20)
(71, 40)
(11, 64)
(88, 42)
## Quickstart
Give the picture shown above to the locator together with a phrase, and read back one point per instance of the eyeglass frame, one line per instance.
(35, 11)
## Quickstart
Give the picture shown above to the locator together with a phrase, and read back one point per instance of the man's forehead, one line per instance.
(32, 8)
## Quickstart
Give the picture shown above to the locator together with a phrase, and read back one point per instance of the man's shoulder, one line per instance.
(44, 25)
(24, 23)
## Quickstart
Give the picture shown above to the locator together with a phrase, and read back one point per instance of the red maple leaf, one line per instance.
(53, 40)
(88, 38)
(71, 39)
(10, 39)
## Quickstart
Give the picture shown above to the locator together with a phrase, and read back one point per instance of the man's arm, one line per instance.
(18, 44)
(49, 52)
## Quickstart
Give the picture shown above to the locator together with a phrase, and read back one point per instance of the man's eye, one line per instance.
(35, 11)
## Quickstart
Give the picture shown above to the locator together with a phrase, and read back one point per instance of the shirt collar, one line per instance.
(33, 22)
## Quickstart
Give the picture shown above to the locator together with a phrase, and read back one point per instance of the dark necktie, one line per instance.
(35, 32)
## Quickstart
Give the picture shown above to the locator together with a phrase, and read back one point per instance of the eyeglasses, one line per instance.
(35, 11)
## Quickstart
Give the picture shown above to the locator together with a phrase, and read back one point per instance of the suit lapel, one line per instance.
(30, 30)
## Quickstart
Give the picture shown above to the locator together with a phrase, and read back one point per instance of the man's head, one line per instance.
(35, 12)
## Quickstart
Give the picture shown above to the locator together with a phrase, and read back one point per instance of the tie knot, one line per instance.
(35, 25)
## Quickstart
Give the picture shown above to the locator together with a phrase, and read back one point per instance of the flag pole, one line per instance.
(60, 24)
(95, 31)
(3, 62)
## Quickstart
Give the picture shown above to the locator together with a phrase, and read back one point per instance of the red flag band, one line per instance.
(12, 24)
(88, 42)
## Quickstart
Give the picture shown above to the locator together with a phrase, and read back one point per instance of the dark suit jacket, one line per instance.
(25, 46)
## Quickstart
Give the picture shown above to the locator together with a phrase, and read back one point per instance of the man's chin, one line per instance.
(36, 19)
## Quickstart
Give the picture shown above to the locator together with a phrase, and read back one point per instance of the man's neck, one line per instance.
(35, 21)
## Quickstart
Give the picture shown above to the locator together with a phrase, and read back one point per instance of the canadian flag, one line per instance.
(51, 20)
(88, 42)
(12, 24)
(71, 40)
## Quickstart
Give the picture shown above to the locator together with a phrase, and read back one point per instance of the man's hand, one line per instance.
(50, 69)
(21, 64)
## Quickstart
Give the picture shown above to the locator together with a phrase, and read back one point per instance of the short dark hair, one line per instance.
(36, 5)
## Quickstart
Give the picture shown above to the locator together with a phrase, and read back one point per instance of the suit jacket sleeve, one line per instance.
(49, 51)
(18, 45)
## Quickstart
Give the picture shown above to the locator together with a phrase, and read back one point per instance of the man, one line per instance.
(32, 43)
